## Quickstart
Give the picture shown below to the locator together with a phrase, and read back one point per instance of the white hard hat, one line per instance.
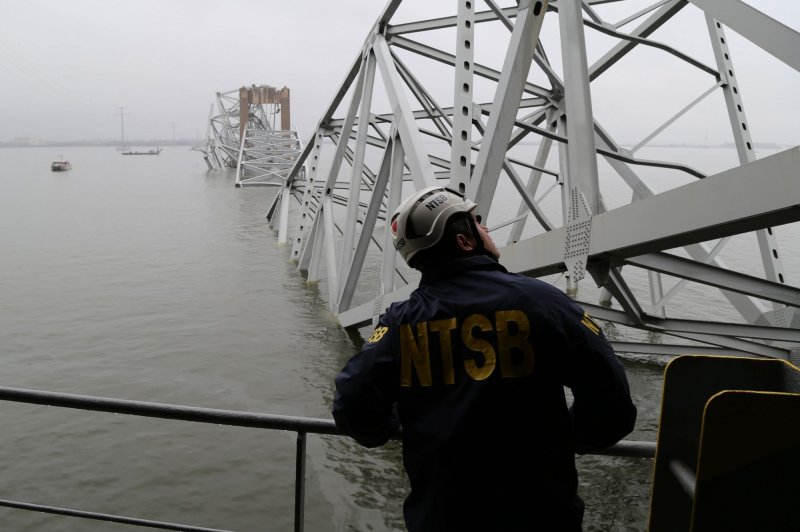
(418, 223)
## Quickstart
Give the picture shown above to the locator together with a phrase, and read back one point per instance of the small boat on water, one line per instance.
(61, 165)
(155, 151)
(127, 150)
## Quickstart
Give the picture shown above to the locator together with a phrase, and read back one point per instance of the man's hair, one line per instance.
(447, 248)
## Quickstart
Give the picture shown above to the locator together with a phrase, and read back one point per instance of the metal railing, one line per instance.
(301, 425)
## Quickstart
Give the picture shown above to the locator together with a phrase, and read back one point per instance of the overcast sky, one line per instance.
(66, 67)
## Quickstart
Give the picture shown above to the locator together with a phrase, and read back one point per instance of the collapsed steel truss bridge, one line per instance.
(244, 135)
(516, 130)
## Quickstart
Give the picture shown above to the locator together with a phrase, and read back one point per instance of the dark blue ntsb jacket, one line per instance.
(475, 362)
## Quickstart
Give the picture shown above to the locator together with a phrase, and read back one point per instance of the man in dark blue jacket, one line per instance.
(473, 368)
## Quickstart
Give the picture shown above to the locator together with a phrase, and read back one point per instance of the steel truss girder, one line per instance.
(729, 203)
(408, 136)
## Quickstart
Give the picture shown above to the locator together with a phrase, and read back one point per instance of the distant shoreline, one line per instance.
(102, 143)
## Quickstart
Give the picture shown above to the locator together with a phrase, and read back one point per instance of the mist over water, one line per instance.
(150, 279)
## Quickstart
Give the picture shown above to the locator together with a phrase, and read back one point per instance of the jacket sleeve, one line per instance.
(602, 410)
(364, 401)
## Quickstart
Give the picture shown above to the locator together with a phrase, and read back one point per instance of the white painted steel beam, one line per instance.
(357, 171)
(768, 244)
(581, 158)
(729, 203)
(715, 276)
(651, 24)
(329, 238)
(448, 22)
(420, 167)
(389, 257)
(769, 34)
(450, 59)
(461, 145)
(310, 195)
(512, 80)
(357, 258)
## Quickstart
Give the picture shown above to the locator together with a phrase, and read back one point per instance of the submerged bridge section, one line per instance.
(510, 105)
(245, 134)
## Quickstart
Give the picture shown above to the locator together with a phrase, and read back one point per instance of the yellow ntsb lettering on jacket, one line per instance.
(511, 330)
(377, 334)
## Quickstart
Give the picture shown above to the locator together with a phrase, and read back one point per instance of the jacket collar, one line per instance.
(456, 266)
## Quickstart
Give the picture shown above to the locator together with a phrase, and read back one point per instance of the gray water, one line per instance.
(148, 278)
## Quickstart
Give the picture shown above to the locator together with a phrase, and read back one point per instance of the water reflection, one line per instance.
(616, 492)
(377, 481)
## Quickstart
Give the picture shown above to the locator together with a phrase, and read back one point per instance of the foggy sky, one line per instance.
(66, 67)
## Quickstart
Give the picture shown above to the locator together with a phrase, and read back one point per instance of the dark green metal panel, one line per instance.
(748, 468)
(689, 383)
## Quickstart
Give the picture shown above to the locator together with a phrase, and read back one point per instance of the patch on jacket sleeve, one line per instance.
(590, 324)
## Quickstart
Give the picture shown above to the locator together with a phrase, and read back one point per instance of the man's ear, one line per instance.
(464, 242)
